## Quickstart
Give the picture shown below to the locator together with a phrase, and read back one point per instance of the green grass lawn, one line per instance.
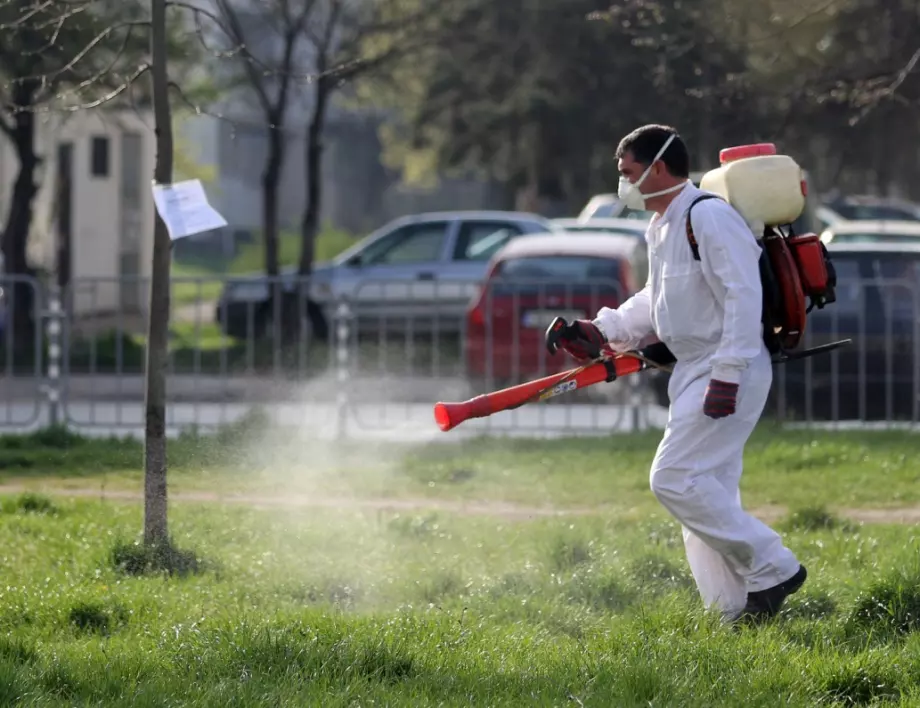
(793, 469)
(292, 608)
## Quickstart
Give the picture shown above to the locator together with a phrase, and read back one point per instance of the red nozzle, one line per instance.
(450, 415)
(442, 416)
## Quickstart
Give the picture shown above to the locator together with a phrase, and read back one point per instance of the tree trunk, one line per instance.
(527, 197)
(155, 526)
(309, 227)
(271, 177)
(19, 220)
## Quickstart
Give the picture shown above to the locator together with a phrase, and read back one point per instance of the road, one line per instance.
(199, 388)
(390, 407)
(398, 409)
(204, 388)
(404, 422)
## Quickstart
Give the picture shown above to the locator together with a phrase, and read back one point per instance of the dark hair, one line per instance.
(645, 142)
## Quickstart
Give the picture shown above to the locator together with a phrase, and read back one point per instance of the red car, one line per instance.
(532, 280)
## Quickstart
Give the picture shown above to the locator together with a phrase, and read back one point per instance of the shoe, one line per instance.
(765, 604)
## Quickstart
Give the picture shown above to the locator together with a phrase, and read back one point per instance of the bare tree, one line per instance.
(156, 530)
(269, 71)
(79, 55)
(352, 39)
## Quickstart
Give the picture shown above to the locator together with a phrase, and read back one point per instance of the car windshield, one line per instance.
(874, 212)
(877, 283)
(874, 237)
(608, 211)
(594, 228)
(535, 272)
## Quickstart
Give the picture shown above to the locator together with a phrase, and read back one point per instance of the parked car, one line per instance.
(620, 227)
(422, 268)
(629, 227)
(827, 217)
(878, 307)
(867, 208)
(531, 281)
(864, 231)
(605, 206)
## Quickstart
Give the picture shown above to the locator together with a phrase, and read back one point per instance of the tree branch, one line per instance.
(48, 77)
(23, 20)
(6, 127)
(199, 31)
(102, 100)
(889, 91)
(235, 122)
(237, 36)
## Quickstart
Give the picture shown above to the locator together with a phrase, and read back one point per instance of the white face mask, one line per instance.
(628, 192)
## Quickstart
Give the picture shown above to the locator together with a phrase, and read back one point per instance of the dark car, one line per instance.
(877, 376)
(859, 208)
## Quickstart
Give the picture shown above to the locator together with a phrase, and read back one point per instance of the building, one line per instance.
(94, 207)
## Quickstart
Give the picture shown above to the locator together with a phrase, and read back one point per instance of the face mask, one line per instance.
(628, 192)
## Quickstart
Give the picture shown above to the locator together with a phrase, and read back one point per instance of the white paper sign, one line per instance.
(184, 208)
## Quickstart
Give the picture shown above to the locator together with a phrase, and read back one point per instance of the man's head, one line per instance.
(641, 151)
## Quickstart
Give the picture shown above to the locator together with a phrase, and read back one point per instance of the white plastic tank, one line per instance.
(767, 189)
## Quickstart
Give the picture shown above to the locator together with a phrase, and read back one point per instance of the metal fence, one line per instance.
(372, 360)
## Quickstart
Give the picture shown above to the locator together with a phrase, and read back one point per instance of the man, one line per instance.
(708, 313)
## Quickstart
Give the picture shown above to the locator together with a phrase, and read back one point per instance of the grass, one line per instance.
(819, 472)
(435, 609)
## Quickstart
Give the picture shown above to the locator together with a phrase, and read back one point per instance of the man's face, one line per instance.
(633, 170)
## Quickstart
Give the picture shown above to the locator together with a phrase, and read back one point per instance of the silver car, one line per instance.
(416, 271)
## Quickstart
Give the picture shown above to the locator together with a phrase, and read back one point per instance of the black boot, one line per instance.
(764, 604)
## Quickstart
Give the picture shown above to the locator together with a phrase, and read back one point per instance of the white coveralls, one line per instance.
(708, 313)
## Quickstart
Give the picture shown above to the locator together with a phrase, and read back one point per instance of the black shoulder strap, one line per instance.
(694, 247)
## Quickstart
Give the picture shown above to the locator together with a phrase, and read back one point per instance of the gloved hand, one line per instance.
(721, 398)
(581, 339)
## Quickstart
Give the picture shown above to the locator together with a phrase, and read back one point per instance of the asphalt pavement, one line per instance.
(365, 407)
(395, 410)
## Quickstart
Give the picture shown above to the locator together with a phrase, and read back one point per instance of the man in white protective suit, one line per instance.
(708, 313)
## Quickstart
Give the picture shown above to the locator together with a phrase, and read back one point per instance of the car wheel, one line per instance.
(317, 326)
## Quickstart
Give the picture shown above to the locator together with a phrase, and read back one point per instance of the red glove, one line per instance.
(721, 398)
(583, 340)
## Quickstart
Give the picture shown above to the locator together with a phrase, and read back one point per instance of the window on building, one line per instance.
(99, 166)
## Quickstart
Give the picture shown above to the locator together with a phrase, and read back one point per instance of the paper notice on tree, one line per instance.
(184, 208)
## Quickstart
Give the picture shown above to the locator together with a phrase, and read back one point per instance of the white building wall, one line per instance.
(110, 240)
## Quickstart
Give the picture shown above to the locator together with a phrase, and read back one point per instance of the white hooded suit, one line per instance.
(708, 313)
